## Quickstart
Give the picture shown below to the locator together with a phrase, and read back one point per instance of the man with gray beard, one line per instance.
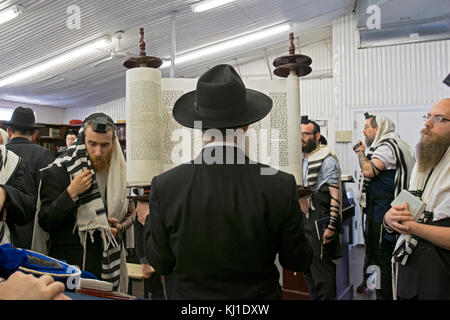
(422, 252)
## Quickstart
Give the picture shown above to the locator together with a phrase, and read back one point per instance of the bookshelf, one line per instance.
(52, 135)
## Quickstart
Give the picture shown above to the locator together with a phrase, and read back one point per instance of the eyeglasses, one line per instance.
(435, 119)
(305, 133)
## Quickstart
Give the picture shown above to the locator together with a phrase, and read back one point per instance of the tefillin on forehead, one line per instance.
(100, 122)
(368, 116)
(306, 120)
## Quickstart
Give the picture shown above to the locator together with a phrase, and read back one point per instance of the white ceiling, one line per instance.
(41, 33)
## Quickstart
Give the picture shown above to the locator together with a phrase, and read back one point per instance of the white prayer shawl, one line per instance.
(9, 162)
(4, 136)
(436, 196)
(91, 214)
(386, 130)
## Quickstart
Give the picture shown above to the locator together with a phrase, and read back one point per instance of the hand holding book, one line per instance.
(324, 234)
(328, 236)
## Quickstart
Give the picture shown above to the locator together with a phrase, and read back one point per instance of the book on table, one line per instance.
(95, 284)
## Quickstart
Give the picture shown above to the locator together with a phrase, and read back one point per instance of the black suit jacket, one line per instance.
(35, 157)
(426, 274)
(215, 229)
(18, 204)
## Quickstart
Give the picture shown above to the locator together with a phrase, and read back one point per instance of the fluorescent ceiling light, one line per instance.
(64, 58)
(229, 44)
(208, 5)
(10, 13)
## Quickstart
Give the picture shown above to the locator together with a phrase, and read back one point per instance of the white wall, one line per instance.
(384, 77)
(390, 79)
(43, 114)
(316, 97)
(408, 74)
(115, 109)
(316, 94)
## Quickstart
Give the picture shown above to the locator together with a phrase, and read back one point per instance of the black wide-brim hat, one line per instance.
(221, 101)
(23, 118)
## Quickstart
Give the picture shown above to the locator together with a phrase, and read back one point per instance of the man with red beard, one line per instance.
(84, 208)
(422, 252)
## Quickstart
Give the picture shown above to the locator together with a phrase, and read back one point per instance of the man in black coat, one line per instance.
(22, 128)
(16, 206)
(216, 224)
(152, 279)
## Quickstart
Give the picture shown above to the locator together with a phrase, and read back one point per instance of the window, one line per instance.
(5, 114)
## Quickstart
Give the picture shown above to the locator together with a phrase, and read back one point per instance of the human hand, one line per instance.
(142, 210)
(114, 226)
(80, 184)
(304, 205)
(361, 147)
(113, 222)
(328, 236)
(396, 216)
(20, 286)
(147, 270)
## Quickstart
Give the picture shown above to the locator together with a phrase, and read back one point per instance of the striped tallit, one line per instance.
(315, 161)
(92, 213)
(404, 156)
(9, 162)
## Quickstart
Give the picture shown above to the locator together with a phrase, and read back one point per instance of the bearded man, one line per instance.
(385, 171)
(422, 252)
(83, 202)
(322, 172)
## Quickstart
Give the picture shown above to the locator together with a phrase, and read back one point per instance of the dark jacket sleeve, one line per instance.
(44, 160)
(19, 204)
(157, 236)
(295, 250)
(139, 242)
(57, 208)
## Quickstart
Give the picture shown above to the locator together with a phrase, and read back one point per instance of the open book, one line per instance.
(157, 143)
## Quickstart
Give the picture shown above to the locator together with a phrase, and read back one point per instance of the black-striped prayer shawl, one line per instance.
(9, 162)
(91, 213)
(315, 162)
(404, 156)
(401, 180)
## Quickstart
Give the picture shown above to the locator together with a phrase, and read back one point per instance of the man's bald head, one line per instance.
(444, 103)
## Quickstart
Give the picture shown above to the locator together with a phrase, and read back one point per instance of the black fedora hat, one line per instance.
(221, 101)
(23, 118)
